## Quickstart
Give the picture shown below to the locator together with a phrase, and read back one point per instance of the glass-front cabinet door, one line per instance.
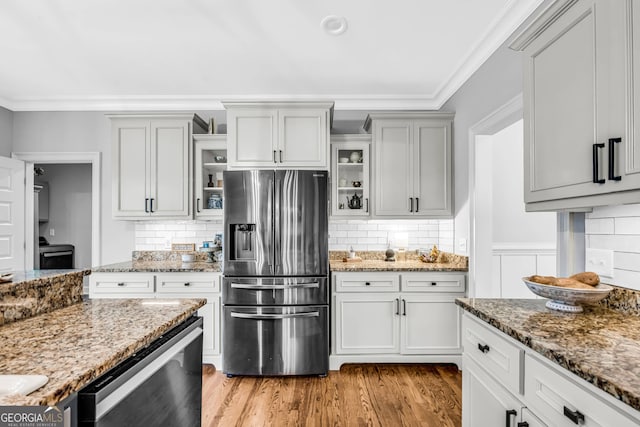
(350, 175)
(210, 162)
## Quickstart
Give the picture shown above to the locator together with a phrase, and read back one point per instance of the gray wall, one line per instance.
(69, 208)
(494, 84)
(6, 132)
(79, 132)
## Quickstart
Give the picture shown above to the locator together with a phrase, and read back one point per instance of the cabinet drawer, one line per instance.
(501, 358)
(120, 283)
(367, 282)
(187, 282)
(550, 395)
(433, 282)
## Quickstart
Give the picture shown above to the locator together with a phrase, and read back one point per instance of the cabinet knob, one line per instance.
(187, 284)
(120, 284)
(434, 283)
(483, 348)
(367, 283)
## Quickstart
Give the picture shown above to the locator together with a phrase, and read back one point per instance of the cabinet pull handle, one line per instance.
(151, 205)
(574, 416)
(612, 160)
(187, 284)
(509, 414)
(146, 205)
(274, 157)
(410, 204)
(367, 283)
(417, 204)
(366, 201)
(483, 348)
(596, 166)
(404, 307)
(434, 283)
(523, 424)
(120, 284)
(198, 205)
(280, 156)
(397, 306)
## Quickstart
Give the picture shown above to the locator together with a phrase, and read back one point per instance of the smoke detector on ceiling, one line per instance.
(334, 25)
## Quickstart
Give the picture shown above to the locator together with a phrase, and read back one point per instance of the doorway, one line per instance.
(507, 243)
(65, 166)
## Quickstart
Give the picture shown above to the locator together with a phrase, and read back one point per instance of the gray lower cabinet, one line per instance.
(170, 286)
(412, 167)
(580, 95)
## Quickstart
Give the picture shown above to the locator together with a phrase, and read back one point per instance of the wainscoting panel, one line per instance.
(511, 263)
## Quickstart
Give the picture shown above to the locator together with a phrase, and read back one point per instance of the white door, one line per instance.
(12, 223)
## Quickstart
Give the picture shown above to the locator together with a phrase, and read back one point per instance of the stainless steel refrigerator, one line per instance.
(276, 265)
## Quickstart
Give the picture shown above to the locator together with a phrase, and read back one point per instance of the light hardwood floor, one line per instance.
(357, 395)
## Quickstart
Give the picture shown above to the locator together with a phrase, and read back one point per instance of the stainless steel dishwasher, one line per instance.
(160, 385)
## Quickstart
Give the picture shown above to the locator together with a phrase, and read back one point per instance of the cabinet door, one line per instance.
(350, 177)
(303, 138)
(210, 163)
(131, 142)
(430, 324)
(393, 172)
(574, 97)
(252, 137)
(628, 159)
(432, 168)
(484, 401)
(367, 323)
(169, 195)
(528, 419)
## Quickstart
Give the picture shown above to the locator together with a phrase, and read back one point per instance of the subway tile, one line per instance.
(338, 233)
(628, 225)
(626, 278)
(356, 234)
(366, 240)
(615, 211)
(626, 261)
(599, 226)
(620, 243)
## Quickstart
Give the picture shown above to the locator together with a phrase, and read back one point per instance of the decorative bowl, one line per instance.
(356, 184)
(343, 160)
(220, 159)
(568, 299)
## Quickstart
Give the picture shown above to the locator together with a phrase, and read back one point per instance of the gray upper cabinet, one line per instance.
(151, 164)
(412, 172)
(293, 135)
(579, 105)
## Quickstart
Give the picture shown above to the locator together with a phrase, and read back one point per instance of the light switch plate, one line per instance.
(600, 261)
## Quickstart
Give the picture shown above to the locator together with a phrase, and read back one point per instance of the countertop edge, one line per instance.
(558, 359)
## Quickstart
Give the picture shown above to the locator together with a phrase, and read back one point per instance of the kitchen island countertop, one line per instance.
(74, 345)
(600, 345)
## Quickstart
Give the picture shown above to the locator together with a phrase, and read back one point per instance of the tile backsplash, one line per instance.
(363, 235)
(617, 228)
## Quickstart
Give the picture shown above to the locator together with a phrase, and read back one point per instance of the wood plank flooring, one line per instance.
(358, 395)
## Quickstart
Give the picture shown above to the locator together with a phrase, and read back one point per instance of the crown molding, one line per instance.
(505, 24)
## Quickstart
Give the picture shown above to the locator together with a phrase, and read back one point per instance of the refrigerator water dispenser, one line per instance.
(243, 244)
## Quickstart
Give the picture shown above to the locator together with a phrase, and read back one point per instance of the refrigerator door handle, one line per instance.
(271, 287)
(277, 241)
(274, 316)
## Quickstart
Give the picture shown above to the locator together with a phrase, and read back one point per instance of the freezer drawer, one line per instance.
(281, 340)
(275, 290)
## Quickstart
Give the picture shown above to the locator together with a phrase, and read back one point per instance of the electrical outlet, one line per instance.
(52, 232)
(599, 261)
(462, 246)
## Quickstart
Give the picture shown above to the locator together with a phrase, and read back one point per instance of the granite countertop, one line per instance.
(76, 344)
(159, 266)
(600, 345)
(381, 265)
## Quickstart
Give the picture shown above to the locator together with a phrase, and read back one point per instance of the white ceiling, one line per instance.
(190, 54)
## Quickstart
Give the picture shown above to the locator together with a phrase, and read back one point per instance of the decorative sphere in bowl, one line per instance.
(568, 299)
(220, 159)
